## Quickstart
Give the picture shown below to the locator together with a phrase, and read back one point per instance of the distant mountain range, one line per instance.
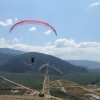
(6, 54)
(85, 63)
(20, 62)
(10, 51)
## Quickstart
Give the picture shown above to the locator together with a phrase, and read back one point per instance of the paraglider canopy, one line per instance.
(33, 22)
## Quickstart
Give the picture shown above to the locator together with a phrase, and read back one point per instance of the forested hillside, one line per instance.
(22, 63)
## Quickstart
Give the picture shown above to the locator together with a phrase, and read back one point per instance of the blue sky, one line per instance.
(77, 24)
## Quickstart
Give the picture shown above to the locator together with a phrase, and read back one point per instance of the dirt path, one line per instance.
(62, 88)
(16, 83)
(46, 85)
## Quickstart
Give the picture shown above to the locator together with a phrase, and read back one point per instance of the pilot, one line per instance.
(32, 60)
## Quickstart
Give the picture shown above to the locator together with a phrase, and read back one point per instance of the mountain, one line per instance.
(6, 54)
(4, 58)
(85, 63)
(22, 63)
(10, 51)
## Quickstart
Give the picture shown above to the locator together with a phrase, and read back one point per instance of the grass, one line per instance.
(80, 78)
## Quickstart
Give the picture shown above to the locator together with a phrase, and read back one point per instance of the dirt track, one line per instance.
(13, 97)
(16, 83)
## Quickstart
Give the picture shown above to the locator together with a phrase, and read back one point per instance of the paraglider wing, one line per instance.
(33, 22)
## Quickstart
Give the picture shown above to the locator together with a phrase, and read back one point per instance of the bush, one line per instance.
(41, 95)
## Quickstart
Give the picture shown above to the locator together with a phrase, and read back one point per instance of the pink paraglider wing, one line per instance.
(33, 22)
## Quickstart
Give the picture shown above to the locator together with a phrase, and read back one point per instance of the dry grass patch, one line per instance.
(13, 97)
(76, 90)
(98, 91)
(68, 83)
(54, 83)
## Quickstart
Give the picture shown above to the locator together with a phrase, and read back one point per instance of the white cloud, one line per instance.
(88, 44)
(48, 43)
(63, 48)
(3, 43)
(47, 32)
(32, 29)
(8, 22)
(94, 4)
(15, 18)
(64, 43)
(16, 40)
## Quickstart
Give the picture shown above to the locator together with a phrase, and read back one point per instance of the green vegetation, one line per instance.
(6, 87)
(80, 78)
(9, 92)
(33, 81)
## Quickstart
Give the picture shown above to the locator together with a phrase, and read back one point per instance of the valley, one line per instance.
(59, 89)
(48, 78)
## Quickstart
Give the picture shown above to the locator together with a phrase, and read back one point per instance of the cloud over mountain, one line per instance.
(63, 48)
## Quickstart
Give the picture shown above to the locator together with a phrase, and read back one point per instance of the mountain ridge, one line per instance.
(10, 51)
(85, 63)
(22, 63)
